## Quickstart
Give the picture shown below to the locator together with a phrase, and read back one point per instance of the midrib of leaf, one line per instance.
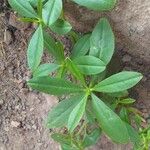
(65, 112)
(82, 102)
(100, 53)
(131, 78)
(37, 45)
(91, 66)
(49, 15)
(58, 87)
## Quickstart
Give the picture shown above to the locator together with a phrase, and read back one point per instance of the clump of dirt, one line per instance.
(22, 111)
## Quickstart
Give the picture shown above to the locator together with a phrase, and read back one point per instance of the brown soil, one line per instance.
(22, 111)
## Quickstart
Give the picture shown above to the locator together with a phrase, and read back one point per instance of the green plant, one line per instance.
(93, 99)
(145, 136)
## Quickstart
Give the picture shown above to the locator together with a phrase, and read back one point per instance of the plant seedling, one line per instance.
(94, 103)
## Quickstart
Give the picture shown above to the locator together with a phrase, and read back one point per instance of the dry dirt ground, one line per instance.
(22, 110)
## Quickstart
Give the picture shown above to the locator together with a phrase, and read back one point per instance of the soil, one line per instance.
(22, 111)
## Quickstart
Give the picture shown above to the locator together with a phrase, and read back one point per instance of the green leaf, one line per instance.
(81, 47)
(109, 121)
(134, 136)
(92, 138)
(34, 3)
(55, 48)
(124, 114)
(40, 8)
(54, 86)
(75, 71)
(90, 65)
(61, 72)
(118, 82)
(68, 147)
(119, 94)
(45, 69)
(102, 41)
(28, 19)
(74, 36)
(98, 5)
(127, 101)
(23, 8)
(51, 11)
(59, 115)
(61, 27)
(76, 114)
(35, 49)
(61, 138)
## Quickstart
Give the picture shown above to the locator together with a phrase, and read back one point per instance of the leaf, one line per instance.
(134, 136)
(51, 11)
(118, 82)
(59, 115)
(62, 72)
(74, 70)
(124, 115)
(90, 65)
(74, 36)
(92, 138)
(98, 5)
(35, 49)
(45, 69)
(68, 147)
(55, 48)
(34, 3)
(119, 94)
(40, 8)
(109, 121)
(63, 139)
(76, 114)
(81, 47)
(23, 7)
(127, 101)
(61, 27)
(102, 41)
(54, 86)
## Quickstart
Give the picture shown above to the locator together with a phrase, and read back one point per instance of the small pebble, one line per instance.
(15, 124)
(1, 102)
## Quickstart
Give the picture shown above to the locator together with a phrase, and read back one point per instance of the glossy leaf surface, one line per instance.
(45, 69)
(109, 121)
(51, 11)
(61, 27)
(81, 47)
(76, 114)
(23, 7)
(99, 5)
(35, 49)
(134, 136)
(58, 116)
(54, 86)
(119, 82)
(90, 65)
(102, 41)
